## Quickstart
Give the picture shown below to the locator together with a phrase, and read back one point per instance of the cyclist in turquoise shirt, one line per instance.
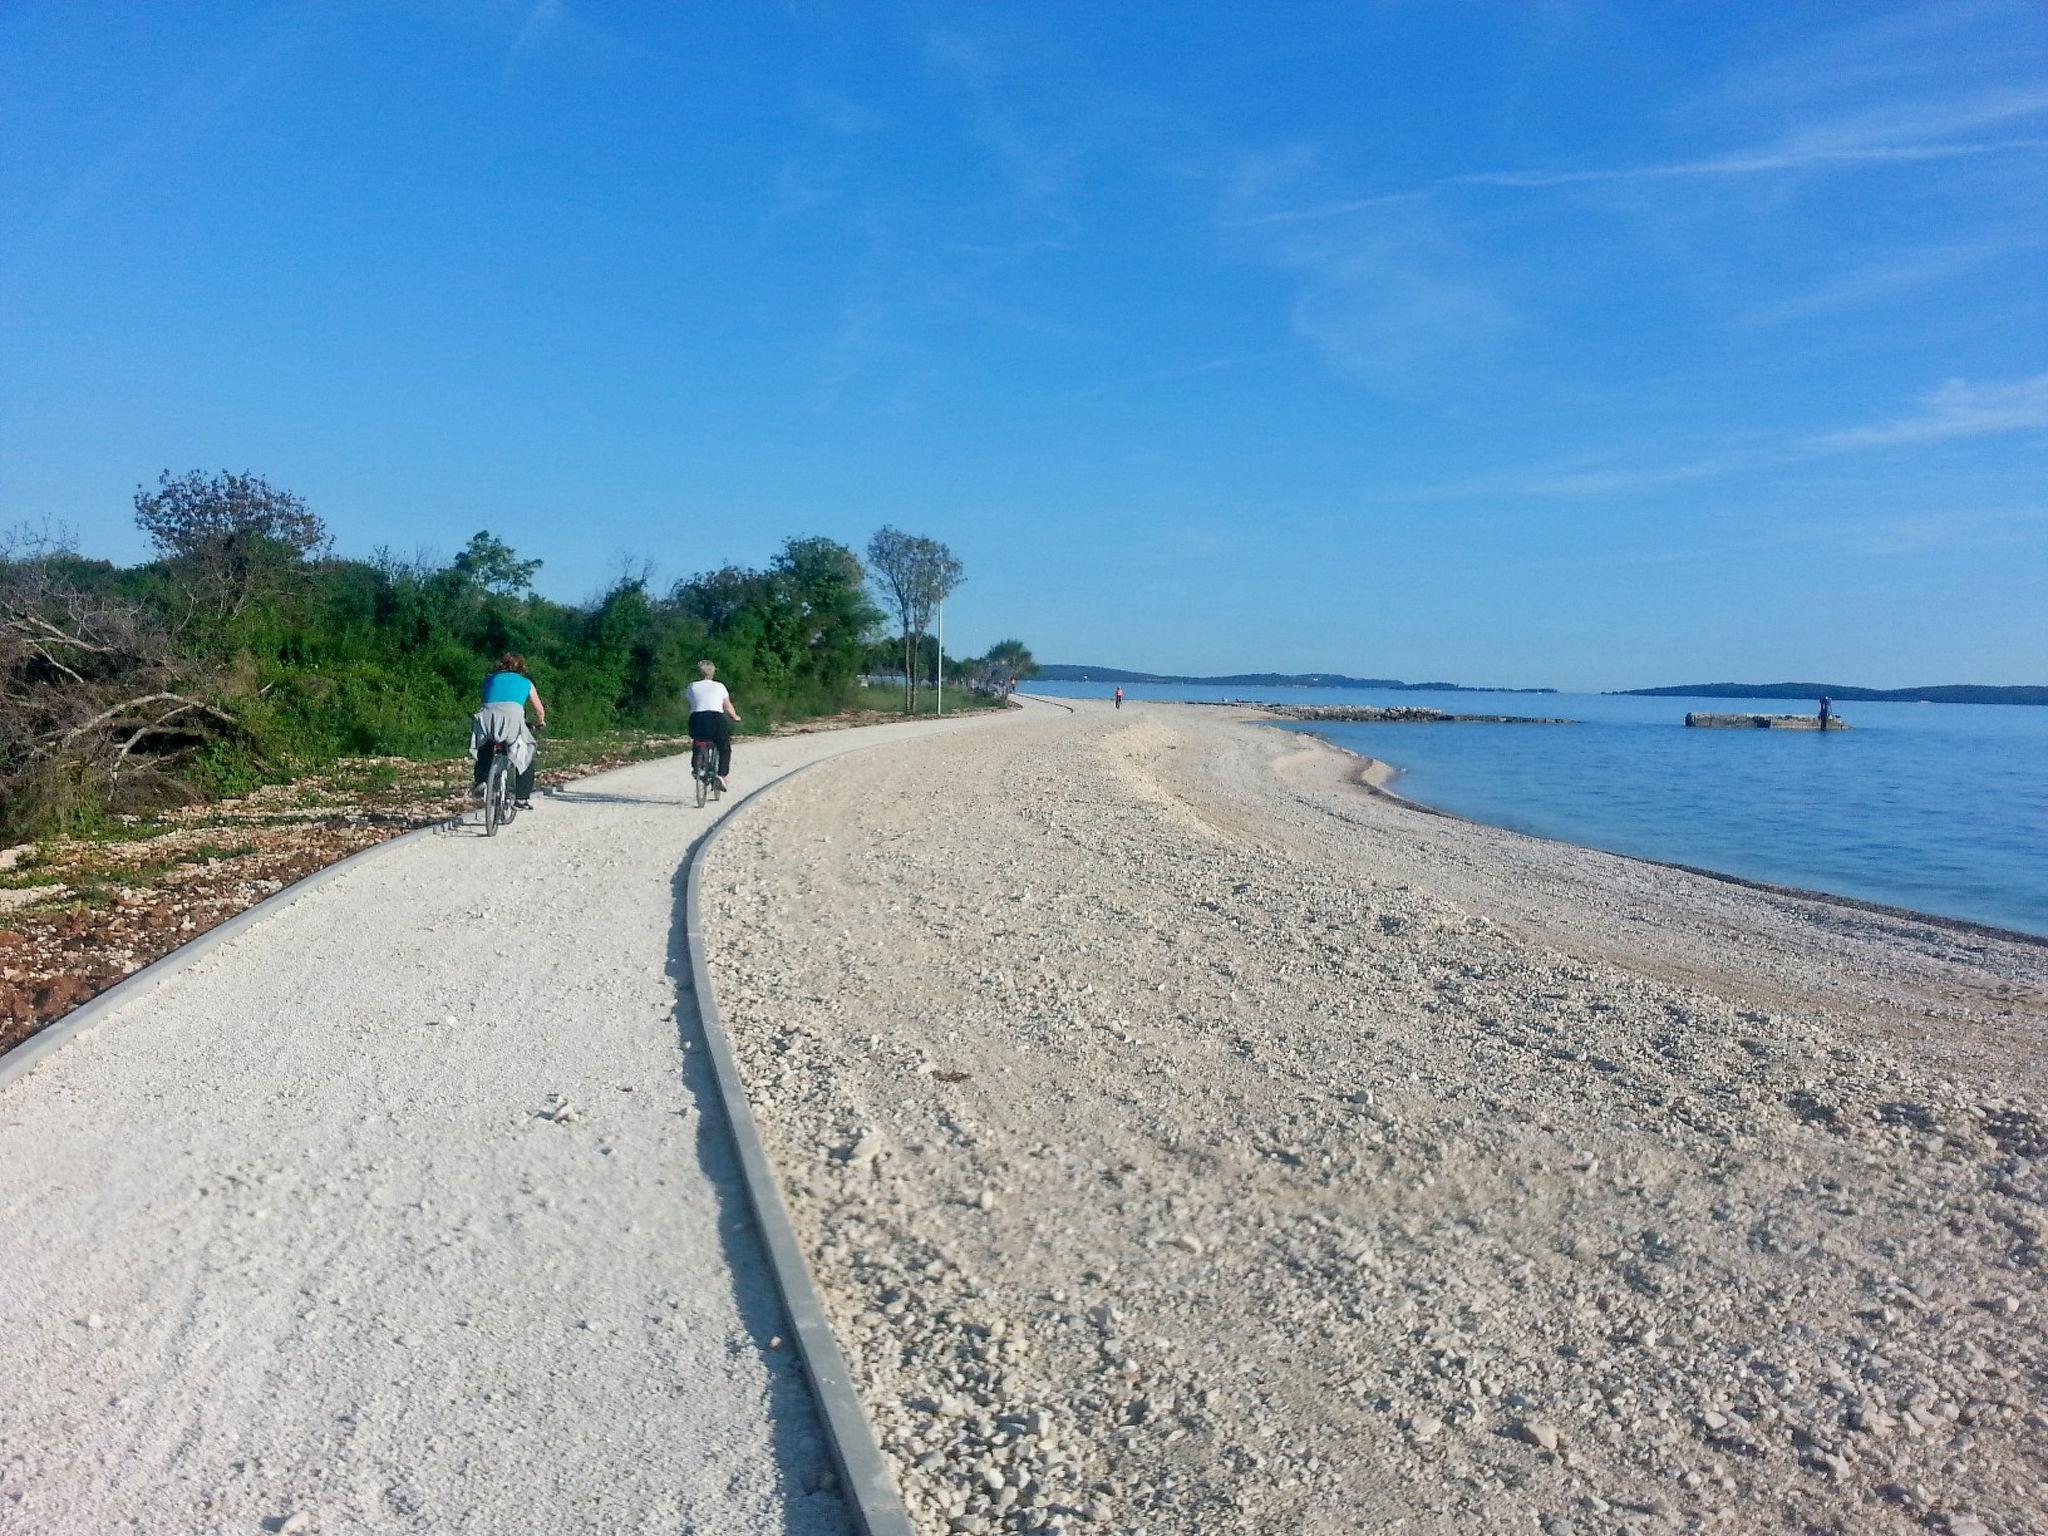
(507, 693)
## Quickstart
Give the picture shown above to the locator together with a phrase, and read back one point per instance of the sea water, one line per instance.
(1936, 807)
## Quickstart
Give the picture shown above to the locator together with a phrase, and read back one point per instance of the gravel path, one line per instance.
(1189, 1142)
(411, 1210)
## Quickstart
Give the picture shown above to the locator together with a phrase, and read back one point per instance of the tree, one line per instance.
(232, 538)
(914, 574)
(1010, 662)
(823, 593)
(720, 599)
(487, 561)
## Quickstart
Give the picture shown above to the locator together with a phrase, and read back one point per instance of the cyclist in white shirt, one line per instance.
(710, 705)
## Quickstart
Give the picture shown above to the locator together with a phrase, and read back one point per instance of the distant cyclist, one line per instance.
(508, 692)
(710, 707)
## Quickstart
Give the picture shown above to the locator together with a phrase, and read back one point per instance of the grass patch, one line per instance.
(889, 701)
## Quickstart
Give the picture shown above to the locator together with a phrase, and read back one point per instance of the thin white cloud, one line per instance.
(553, 29)
(1802, 158)
(1754, 164)
(1400, 307)
(543, 19)
(1957, 409)
(1911, 134)
(836, 113)
(1143, 382)
(1894, 273)
(1610, 482)
(1038, 157)
(1043, 247)
(1924, 120)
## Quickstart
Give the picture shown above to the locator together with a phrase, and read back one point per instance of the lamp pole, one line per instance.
(942, 656)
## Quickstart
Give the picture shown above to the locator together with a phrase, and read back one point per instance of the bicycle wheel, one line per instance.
(697, 773)
(496, 801)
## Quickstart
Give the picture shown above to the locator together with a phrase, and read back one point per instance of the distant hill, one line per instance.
(1944, 693)
(1071, 674)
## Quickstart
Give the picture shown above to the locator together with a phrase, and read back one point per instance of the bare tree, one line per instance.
(892, 561)
(914, 575)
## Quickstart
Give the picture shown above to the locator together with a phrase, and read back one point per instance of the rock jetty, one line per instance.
(1766, 722)
(1397, 714)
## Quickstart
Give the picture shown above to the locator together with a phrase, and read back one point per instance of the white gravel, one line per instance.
(410, 1210)
(1188, 1142)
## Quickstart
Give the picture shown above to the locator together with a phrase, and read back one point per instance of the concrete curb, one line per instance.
(864, 1476)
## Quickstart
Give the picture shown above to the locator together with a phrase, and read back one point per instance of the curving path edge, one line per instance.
(160, 1325)
(865, 1479)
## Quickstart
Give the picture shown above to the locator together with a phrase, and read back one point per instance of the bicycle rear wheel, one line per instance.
(496, 800)
(697, 772)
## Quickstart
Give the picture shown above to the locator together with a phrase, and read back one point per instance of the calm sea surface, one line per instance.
(1937, 807)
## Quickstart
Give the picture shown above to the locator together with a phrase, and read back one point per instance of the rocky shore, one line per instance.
(1203, 1145)
(1398, 714)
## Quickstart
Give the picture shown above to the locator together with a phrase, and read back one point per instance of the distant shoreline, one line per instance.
(1942, 693)
(1063, 673)
(1936, 693)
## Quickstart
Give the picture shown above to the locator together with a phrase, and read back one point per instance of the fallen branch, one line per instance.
(154, 728)
(40, 630)
(36, 648)
(125, 705)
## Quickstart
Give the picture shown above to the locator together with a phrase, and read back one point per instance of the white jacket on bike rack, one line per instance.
(503, 722)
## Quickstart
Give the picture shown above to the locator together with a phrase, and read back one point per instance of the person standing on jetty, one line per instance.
(710, 704)
(1119, 698)
(1827, 709)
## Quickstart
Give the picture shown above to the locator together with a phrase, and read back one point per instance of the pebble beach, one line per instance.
(1188, 1138)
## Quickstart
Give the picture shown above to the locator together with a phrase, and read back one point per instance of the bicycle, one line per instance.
(501, 800)
(704, 769)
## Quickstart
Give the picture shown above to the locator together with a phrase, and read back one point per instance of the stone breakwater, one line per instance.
(1223, 1150)
(1398, 714)
(1764, 722)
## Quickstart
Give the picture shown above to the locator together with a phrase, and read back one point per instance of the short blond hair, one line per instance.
(707, 669)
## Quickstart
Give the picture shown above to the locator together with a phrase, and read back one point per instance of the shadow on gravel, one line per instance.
(590, 797)
(801, 1455)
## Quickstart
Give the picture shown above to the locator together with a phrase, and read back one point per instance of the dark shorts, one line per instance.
(713, 725)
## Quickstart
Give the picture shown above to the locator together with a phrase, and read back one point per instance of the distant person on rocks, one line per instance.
(710, 706)
(1119, 698)
(1827, 711)
(508, 693)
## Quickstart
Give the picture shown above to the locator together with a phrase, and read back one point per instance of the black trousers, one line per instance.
(712, 725)
(523, 789)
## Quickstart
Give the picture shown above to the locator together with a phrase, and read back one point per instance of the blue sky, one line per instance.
(1547, 343)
